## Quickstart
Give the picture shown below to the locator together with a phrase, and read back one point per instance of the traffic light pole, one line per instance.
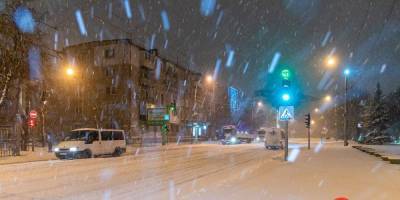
(309, 135)
(286, 140)
(345, 111)
(308, 126)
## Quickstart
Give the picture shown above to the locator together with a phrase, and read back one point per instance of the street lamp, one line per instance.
(209, 79)
(328, 98)
(346, 75)
(70, 71)
(331, 61)
(346, 72)
(259, 104)
(316, 110)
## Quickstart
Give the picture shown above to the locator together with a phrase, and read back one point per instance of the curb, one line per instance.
(383, 156)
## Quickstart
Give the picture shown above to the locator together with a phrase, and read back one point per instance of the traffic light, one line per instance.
(31, 123)
(286, 97)
(165, 129)
(308, 120)
(172, 108)
(285, 74)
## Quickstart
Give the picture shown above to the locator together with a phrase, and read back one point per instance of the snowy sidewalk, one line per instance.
(40, 154)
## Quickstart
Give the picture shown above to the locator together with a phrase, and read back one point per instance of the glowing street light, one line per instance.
(346, 72)
(259, 104)
(328, 98)
(209, 79)
(331, 61)
(70, 71)
(312, 122)
(316, 110)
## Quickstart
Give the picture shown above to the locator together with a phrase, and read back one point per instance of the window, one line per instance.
(117, 135)
(106, 135)
(109, 53)
(92, 136)
(109, 71)
(111, 90)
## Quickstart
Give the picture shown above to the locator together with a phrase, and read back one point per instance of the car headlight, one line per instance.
(233, 139)
(73, 149)
(56, 149)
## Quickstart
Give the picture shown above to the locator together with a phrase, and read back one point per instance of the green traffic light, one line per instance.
(285, 74)
(286, 97)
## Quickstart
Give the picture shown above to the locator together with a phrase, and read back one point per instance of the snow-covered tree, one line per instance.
(393, 102)
(376, 116)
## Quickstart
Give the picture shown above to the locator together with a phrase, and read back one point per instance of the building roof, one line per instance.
(105, 42)
(128, 41)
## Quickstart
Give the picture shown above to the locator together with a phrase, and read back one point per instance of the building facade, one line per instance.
(114, 83)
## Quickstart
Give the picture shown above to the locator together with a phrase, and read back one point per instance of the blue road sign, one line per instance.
(286, 113)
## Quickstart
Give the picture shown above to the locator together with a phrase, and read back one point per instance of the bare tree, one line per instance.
(15, 45)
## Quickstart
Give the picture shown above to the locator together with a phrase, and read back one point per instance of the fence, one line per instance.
(8, 143)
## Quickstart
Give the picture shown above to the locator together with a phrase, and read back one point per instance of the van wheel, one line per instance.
(87, 154)
(117, 152)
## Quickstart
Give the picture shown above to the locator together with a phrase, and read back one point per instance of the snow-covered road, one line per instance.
(207, 171)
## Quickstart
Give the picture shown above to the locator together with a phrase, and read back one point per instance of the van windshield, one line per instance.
(77, 135)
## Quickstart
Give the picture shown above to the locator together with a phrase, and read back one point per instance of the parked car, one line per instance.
(89, 142)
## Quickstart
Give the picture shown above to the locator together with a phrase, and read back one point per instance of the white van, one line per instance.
(90, 142)
(274, 138)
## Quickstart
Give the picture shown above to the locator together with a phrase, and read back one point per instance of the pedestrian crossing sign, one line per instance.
(286, 113)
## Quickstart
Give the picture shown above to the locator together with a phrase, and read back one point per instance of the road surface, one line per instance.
(208, 171)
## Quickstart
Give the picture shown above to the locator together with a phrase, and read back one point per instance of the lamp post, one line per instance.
(331, 61)
(43, 112)
(71, 73)
(255, 107)
(328, 98)
(346, 74)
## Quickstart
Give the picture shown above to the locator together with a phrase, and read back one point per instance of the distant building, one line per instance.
(114, 84)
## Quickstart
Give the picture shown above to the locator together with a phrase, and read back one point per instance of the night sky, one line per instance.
(244, 36)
